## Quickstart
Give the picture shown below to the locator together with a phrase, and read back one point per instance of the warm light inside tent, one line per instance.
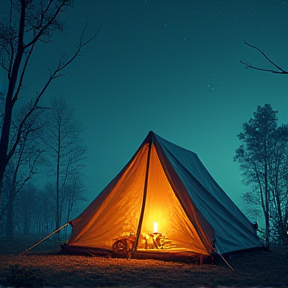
(155, 225)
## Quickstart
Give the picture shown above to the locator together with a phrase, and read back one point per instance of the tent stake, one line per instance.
(55, 231)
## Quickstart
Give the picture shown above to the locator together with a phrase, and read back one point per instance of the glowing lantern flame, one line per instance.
(155, 224)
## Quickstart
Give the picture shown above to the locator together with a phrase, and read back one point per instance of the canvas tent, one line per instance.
(163, 200)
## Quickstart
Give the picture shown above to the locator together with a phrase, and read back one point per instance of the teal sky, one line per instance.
(170, 66)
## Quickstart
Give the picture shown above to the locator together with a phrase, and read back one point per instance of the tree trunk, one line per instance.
(10, 214)
(4, 140)
(267, 210)
(57, 183)
(25, 224)
(10, 101)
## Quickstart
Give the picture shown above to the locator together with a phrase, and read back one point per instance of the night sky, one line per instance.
(171, 67)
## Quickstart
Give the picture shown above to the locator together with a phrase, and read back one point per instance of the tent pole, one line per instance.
(144, 198)
(55, 231)
(225, 261)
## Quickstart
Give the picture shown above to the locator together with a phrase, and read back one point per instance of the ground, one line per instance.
(44, 267)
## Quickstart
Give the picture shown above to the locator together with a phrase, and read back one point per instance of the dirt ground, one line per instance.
(44, 267)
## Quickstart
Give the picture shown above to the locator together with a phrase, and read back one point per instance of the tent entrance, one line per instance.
(163, 224)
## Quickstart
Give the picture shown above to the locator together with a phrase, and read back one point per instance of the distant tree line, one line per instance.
(43, 180)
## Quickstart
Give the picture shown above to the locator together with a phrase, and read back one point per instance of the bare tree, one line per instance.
(75, 193)
(62, 136)
(276, 70)
(29, 23)
(23, 163)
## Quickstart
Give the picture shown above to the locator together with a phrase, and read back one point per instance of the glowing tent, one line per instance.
(163, 201)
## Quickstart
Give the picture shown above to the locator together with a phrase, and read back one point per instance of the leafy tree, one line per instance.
(62, 136)
(263, 158)
(29, 23)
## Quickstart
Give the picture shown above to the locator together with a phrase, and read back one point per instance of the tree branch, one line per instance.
(42, 31)
(15, 97)
(54, 75)
(61, 66)
(278, 69)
